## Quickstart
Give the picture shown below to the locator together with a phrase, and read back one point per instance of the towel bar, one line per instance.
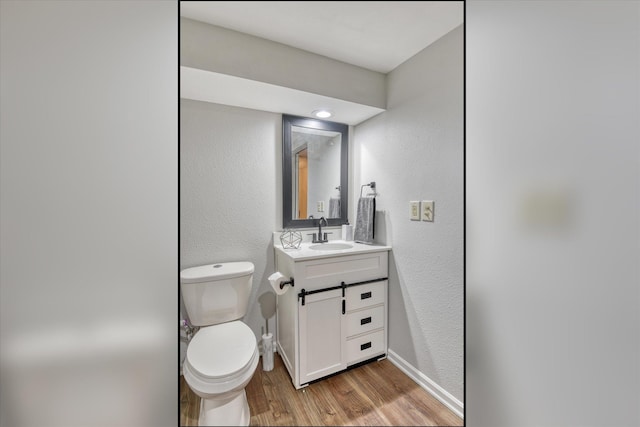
(372, 184)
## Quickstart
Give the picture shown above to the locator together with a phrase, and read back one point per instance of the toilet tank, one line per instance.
(216, 293)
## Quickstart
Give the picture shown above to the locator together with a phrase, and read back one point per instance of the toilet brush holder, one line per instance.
(267, 352)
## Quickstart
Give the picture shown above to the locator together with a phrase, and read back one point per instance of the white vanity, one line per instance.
(335, 315)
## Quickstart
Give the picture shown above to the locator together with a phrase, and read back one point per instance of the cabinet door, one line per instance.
(322, 335)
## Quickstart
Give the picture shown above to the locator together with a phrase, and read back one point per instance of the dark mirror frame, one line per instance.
(287, 186)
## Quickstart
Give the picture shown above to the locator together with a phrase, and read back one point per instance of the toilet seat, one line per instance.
(221, 357)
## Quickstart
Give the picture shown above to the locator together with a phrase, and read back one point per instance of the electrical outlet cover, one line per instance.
(427, 210)
(414, 210)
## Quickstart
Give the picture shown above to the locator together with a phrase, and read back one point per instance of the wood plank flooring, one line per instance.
(375, 394)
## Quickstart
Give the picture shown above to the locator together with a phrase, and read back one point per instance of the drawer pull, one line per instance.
(365, 320)
(365, 346)
(365, 295)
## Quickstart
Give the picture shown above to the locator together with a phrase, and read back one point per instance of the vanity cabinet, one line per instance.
(335, 316)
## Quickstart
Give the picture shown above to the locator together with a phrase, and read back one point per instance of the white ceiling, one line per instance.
(377, 35)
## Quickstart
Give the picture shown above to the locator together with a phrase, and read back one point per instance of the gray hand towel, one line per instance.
(365, 220)
(334, 207)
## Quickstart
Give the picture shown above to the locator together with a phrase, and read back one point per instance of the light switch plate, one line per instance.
(414, 210)
(427, 210)
(320, 206)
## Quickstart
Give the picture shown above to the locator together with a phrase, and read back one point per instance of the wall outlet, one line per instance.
(427, 210)
(320, 206)
(414, 210)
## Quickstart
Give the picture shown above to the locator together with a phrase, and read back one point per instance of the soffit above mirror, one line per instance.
(296, 57)
(201, 85)
(251, 72)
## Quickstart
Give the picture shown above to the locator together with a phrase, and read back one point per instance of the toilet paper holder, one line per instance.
(289, 282)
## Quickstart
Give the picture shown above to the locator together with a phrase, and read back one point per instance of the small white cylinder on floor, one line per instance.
(267, 351)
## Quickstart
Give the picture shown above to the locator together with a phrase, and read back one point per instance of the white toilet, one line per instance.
(223, 355)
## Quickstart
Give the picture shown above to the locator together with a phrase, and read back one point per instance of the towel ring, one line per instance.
(372, 184)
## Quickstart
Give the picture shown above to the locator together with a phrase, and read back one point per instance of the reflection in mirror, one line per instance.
(314, 171)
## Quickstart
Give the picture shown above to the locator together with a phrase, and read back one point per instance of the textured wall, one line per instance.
(414, 151)
(230, 193)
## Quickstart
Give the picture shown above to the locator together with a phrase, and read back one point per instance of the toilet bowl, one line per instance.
(220, 362)
(223, 355)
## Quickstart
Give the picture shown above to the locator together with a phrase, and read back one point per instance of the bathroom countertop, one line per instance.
(304, 252)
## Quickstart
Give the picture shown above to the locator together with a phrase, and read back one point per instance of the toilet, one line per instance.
(223, 355)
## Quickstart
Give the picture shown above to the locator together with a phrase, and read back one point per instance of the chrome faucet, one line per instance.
(320, 238)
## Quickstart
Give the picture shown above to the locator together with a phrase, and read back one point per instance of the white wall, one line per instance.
(414, 151)
(231, 193)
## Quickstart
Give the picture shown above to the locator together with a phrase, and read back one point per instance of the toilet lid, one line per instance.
(221, 350)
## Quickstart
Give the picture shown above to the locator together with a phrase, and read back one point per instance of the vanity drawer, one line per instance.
(362, 296)
(363, 321)
(365, 347)
(327, 272)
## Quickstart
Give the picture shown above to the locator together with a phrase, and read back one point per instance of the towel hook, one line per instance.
(372, 184)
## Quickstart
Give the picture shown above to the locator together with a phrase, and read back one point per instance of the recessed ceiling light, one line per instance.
(322, 114)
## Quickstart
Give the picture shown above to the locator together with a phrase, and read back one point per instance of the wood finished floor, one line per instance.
(375, 394)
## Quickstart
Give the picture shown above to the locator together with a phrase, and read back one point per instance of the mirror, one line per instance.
(314, 171)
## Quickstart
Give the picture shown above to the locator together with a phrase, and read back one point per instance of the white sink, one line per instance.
(330, 246)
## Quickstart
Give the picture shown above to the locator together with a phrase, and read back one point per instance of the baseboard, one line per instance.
(428, 384)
